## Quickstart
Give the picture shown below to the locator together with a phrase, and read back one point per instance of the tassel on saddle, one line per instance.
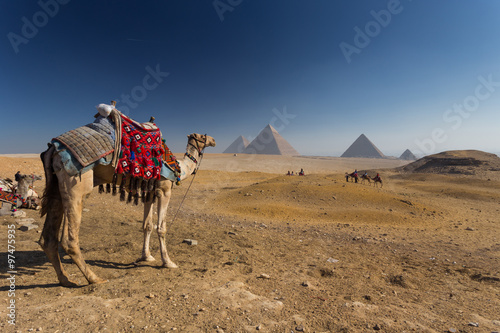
(136, 186)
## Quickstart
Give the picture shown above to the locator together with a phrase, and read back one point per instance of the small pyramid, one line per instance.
(407, 155)
(270, 142)
(237, 146)
(363, 147)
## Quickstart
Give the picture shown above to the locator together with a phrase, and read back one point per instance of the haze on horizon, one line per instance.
(421, 75)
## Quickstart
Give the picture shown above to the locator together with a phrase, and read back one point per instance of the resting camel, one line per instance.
(63, 199)
(26, 192)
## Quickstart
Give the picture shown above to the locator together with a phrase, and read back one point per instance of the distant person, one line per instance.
(377, 177)
(355, 175)
(292, 173)
(18, 176)
(301, 173)
(288, 174)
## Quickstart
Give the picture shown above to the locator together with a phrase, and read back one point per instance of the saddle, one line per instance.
(138, 151)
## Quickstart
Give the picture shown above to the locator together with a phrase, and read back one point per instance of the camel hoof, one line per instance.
(148, 258)
(98, 281)
(170, 265)
(68, 284)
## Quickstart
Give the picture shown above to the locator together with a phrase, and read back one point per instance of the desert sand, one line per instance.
(277, 253)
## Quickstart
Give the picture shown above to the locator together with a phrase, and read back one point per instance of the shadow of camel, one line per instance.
(34, 262)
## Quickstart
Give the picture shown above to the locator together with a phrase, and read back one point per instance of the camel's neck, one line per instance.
(190, 161)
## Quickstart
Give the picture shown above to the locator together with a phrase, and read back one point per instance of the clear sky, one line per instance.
(423, 75)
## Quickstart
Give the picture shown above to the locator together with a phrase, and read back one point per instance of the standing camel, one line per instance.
(377, 180)
(365, 178)
(63, 200)
(353, 176)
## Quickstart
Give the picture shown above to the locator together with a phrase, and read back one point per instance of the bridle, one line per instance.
(199, 149)
(198, 163)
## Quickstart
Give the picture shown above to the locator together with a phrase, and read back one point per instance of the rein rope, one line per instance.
(198, 163)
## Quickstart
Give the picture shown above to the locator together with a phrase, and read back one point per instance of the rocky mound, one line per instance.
(460, 162)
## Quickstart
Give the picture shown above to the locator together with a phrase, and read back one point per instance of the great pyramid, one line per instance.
(407, 155)
(237, 146)
(270, 142)
(363, 147)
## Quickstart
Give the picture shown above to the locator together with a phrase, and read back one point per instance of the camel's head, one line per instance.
(201, 141)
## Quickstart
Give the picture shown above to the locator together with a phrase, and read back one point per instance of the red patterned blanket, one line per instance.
(140, 159)
(141, 151)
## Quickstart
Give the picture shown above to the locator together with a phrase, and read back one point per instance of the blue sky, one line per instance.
(423, 75)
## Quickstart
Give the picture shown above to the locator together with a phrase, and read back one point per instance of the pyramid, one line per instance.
(407, 155)
(271, 143)
(237, 146)
(363, 147)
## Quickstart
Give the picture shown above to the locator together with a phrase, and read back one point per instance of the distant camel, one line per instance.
(376, 180)
(353, 176)
(365, 178)
(63, 200)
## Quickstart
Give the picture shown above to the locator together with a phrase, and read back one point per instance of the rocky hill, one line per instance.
(458, 162)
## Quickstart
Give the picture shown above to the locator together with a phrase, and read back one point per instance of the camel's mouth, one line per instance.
(210, 141)
(207, 140)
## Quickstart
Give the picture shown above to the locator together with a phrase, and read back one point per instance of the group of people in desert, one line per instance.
(291, 173)
(353, 175)
(364, 177)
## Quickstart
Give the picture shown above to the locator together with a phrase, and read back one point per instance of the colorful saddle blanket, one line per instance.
(141, 151)
(8, 197)
(170, 160)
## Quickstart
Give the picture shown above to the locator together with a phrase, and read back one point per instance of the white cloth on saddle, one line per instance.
(104, 109)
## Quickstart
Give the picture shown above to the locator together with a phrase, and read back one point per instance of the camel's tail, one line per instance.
(51, 196)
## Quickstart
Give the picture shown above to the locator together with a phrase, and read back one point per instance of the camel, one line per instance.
(353, 175)
(62, 203)
(376, 180)
(25, 191)
(365, 178)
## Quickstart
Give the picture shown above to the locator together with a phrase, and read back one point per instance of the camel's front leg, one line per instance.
(163, 200)
(147, 227)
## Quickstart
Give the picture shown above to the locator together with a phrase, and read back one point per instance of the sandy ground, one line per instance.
(275, 254)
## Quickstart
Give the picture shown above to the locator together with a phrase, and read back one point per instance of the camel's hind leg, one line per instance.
(52, 208)
(49, 241)
(73, 189)
(163, 200)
